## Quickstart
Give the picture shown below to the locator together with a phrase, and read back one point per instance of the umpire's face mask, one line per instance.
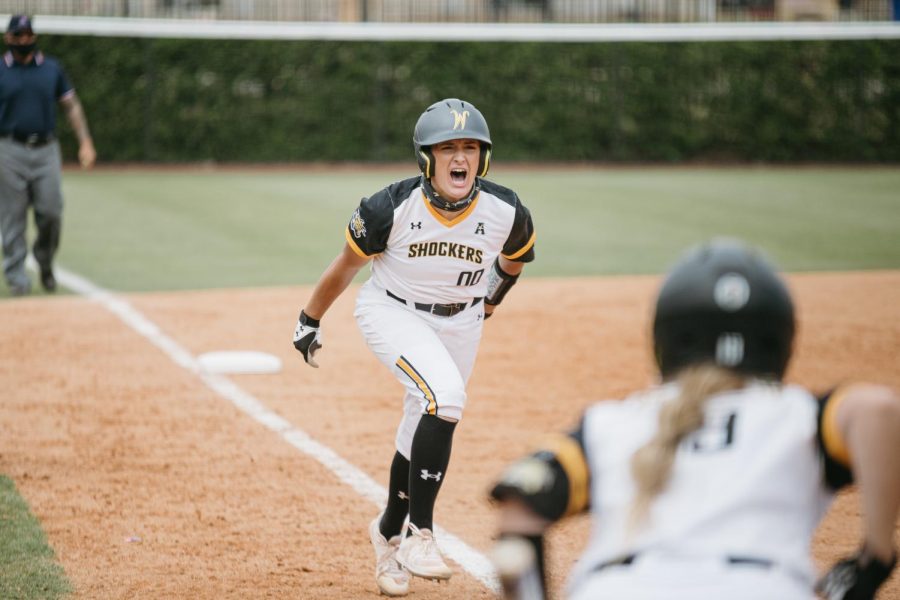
(22, 44)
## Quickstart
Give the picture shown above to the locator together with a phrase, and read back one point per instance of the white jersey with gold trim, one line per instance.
(748, 486)
(420, 256)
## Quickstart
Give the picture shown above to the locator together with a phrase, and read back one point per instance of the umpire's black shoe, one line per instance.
(48, 280)
(19, 290)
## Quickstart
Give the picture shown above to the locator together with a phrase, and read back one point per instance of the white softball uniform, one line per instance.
(421, 311)
(736, 520)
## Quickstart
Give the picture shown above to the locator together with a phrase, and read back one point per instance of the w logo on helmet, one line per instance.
(459, 119)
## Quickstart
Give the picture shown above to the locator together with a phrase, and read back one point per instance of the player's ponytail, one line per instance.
(651, 465)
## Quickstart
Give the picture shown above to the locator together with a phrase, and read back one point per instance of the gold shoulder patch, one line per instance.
(357, 225)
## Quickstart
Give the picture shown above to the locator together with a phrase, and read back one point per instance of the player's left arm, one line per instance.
(533, 493)
(860, 430)
(518, 250)
(503, 275)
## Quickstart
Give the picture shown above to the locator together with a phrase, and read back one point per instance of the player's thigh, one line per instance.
(413, 351)
(47, 183)
(461, 336)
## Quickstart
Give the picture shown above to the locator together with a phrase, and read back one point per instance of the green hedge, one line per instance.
(194, 100)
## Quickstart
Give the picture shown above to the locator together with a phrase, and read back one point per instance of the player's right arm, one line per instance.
(860, 431)
(367, 234)
(334, 281)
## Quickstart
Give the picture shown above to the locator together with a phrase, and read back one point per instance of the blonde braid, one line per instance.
(651, 465)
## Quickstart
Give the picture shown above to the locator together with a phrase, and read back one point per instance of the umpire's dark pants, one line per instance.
(29, 175)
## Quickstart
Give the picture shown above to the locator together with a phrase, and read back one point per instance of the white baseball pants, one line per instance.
(431, 356)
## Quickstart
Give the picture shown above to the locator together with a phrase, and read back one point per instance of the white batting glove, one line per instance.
(307, 338)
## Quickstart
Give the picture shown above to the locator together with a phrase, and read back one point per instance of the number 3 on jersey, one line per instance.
(714, 436)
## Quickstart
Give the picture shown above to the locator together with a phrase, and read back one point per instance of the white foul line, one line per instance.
(475, 563)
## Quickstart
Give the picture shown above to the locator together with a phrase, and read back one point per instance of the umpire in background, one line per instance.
(30, 164)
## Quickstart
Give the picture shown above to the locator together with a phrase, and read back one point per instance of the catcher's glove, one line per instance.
(855, 578)
(307, 338)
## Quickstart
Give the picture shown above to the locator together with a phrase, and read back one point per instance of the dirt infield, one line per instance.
(149, 485)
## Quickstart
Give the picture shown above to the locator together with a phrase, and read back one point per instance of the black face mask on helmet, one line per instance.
(439, 202)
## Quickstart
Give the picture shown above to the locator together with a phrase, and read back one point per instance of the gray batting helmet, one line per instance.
(450, 119)
(724, 303)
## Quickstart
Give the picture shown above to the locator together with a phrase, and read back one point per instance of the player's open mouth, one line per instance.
(458, 176)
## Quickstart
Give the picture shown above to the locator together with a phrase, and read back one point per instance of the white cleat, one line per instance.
(392, 580)
(419, 554)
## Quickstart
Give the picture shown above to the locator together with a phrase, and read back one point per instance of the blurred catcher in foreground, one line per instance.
(711, 484)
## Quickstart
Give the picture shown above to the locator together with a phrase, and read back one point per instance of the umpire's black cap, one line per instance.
(20, 24)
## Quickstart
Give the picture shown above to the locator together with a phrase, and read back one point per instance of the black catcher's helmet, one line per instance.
(724, 303)
(450, 119)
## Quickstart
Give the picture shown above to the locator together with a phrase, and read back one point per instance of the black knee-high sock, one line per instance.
(398, 498)
(428, 462)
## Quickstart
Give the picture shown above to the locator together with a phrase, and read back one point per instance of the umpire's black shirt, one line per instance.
(29, 93)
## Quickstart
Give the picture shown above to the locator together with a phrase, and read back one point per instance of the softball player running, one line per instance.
(445, 248)
(711, 484)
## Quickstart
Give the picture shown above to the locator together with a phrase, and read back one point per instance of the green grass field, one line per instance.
(27, 564)
(166, 230)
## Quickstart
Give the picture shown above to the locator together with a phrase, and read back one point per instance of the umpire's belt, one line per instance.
(750, 561)
(32, 140)
(441, 310)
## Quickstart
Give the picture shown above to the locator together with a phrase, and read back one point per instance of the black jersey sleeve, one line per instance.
(836, 458)
(554, 481)
(370, 225)
(519, 245)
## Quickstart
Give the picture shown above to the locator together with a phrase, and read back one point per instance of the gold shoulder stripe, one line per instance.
(834, 442)
(524, 249)
(571, 457)
(352, 244)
